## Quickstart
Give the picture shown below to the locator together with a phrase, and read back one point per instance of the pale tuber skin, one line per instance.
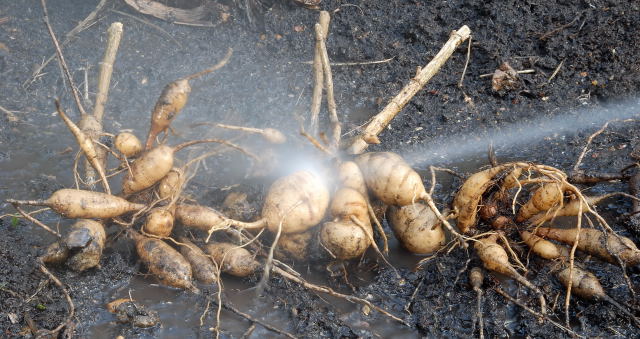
(342, 237)
(82, 204)
(159, 222)
(390, 178)
(294, 246)
(148, 169)
(544, 248)
(296, 202)
(128, 144)
(417, 228)
(171, 184)
(495, 258)
(345, 240)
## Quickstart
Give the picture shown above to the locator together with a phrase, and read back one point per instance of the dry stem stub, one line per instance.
(382, 119)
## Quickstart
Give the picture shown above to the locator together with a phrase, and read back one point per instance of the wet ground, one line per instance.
(588, 45)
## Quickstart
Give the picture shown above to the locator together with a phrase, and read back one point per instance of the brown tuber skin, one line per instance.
(297, 201)
(417, 228)
(201, 265)
(56, 254)
(585, 284)
(468, 197)
(390, 178)
(159, 222)
(592, 241)
(167, 264)
(148, 169)
(544, 198)
(232, 259)
(171, 101)
(128, 144)
(85, 242)
(72, 203)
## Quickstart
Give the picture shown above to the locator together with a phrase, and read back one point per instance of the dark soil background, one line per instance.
(266, 84)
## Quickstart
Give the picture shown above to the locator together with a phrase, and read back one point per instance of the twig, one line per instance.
(354, 63)
(114, 34)
(555, 72)
(34, 220)
(586, 146)
(329, 291)
(82, 25)
(74, 89)
(524, 71)
(559, 29)
(318, 75)
(382, 119)
(269, 263)
(539, 315)
(10, 116)
(315, 143)
(69, 318)
(86, 145)
(152, 25)
(230, 307)
(466, 63)
(328, 85)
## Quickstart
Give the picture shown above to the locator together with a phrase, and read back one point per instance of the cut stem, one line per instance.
(382, 119)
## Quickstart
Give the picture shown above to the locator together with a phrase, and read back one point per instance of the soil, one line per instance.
(584, 57)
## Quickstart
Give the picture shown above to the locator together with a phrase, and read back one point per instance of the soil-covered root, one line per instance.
(586, 285)
(85, 242)
(295, 246)
(202, 266)
(232, 259)
(128, 311)
(595, 242)
(164, 262)
(417, 228)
